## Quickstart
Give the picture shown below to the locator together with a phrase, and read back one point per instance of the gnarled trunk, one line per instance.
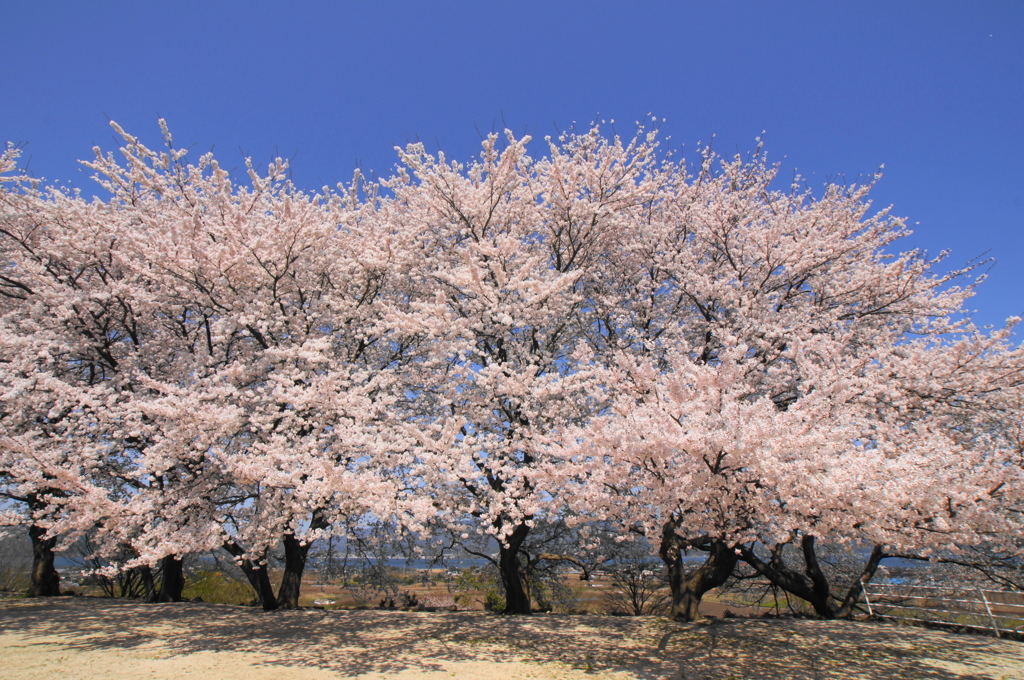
(517, 599)
(821, 591)
(856, 589)
(173, 581)
(812, 585)
(689, 588)
(257, 576)
(45, 579)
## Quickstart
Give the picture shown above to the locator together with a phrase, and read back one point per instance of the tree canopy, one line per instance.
(602, 334)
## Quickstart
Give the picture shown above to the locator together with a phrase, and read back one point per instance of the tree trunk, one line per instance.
(173, 581)
(257, 576)
(820, 588)
(146, 574)
(688, 588)
(517, 600)
(294, 564)
(812, 585)
(856, 589)
(45, 579)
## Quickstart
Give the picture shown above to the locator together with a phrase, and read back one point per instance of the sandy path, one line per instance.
(89, 639)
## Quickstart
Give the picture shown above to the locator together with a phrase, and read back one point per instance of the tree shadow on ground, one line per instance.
(386, 642)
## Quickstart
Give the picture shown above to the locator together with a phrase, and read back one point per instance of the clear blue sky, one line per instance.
(934, 90)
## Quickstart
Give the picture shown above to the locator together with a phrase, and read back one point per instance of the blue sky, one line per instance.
(933, 90)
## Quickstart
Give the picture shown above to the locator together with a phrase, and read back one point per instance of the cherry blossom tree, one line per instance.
(284, 292)
(512, 260)
(67, 319)
(785, 402)
(248, 411)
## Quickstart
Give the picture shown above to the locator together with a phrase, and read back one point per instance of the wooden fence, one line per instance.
(997, 611)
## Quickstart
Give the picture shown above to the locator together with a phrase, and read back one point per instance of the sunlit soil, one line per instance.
(92, 638)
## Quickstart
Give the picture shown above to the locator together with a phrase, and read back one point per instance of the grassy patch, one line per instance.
(213, 586)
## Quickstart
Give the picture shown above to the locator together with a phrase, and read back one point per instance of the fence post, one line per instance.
(864, 589)
(988, 609)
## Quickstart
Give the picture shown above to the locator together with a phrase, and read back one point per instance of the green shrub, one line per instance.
(494, 602)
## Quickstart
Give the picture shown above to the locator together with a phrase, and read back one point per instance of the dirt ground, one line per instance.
(91, 638)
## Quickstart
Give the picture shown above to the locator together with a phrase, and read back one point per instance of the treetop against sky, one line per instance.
(934, 92)
(596, 334)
